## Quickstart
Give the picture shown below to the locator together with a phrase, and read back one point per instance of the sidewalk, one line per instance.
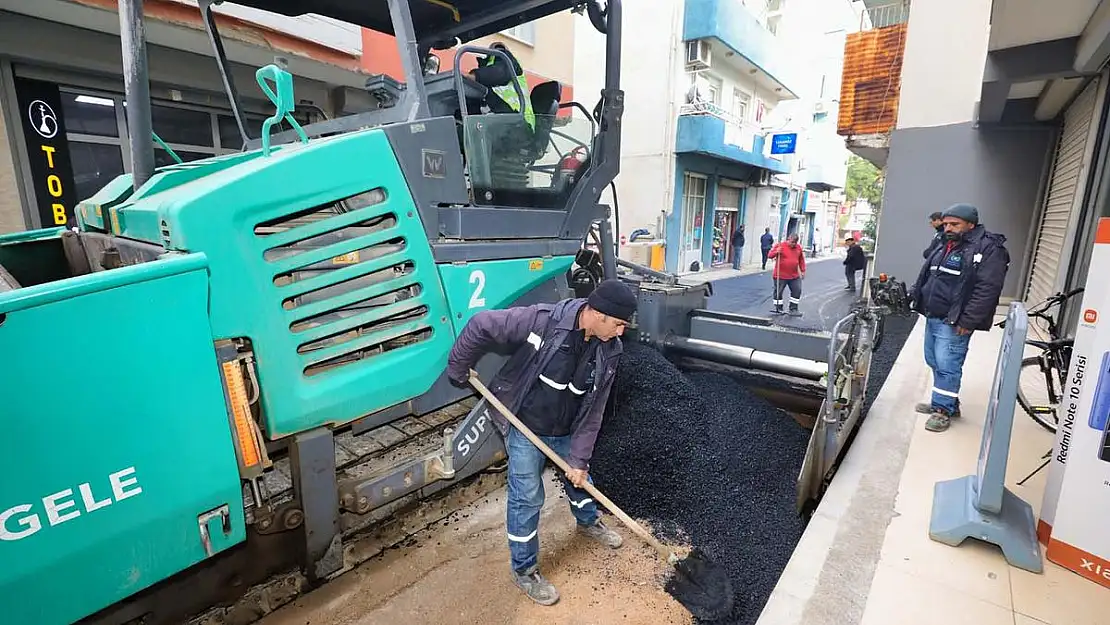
(866, 556)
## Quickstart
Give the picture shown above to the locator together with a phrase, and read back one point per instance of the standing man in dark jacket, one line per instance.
(766, 242)
(557, 381)
(854, 261)
(737, 246)
(936, 220)
(957, 291)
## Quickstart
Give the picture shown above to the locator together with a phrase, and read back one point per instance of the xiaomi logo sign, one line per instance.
(1090, 315)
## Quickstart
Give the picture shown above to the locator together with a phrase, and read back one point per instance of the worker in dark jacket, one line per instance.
(737, 246)
(936, 220)
(957, 291)
(854, 261)
(557, 381)
(765, 243)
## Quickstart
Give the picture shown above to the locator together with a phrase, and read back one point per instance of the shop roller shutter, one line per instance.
(1063, 196)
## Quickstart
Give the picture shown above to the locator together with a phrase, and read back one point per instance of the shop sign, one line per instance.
(40, 110)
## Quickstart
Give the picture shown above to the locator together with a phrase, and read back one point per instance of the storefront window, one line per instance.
(89, 115)
(229, 130)
(94, 165)
(184, 126)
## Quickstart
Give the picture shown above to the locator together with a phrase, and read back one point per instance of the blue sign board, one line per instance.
(784, 143)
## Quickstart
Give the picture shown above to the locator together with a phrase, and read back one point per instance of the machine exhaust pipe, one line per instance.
(746, 357)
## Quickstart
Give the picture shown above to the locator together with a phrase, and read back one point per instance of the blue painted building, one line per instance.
(701, 116)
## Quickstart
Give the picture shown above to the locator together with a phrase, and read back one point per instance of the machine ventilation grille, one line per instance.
(345, 281)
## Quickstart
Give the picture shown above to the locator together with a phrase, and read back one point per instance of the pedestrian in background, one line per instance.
(936, 220)
(854, 261)
(737, 246)
(957, 291)
(790, 270)
(765, 243)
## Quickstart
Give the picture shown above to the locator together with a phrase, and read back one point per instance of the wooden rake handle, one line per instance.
(639, 530)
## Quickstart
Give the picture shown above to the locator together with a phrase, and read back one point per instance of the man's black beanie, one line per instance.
(613, 297)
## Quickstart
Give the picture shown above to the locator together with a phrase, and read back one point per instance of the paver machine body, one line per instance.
(198, 371)
(232, 366)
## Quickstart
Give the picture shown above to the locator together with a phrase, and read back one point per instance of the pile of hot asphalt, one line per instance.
(711, 464)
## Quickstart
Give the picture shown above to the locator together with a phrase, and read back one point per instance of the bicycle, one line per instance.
(1043, 377)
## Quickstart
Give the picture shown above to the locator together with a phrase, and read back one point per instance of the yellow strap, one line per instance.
(447, 5)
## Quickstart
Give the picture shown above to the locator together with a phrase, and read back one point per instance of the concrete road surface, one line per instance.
(457, 572)
(824, 300)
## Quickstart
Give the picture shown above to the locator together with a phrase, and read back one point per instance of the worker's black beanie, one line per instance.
(614, 298)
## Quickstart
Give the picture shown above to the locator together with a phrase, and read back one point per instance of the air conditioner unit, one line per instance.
(698, 54)
(762, 178)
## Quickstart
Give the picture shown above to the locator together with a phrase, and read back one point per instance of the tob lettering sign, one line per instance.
(40, 107)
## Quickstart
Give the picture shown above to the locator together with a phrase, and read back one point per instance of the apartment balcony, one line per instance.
(823, 177)
(738, 39)
(707, 130)
(872, 80)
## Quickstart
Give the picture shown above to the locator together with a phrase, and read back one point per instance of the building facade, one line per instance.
(63, 130)
(1004, 108)
(708, 140)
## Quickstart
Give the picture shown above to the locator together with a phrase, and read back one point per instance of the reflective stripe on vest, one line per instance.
(507, 93)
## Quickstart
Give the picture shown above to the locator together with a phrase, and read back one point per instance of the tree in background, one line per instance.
(864, 181)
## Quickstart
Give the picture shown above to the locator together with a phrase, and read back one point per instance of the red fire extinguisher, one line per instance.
(567, 171)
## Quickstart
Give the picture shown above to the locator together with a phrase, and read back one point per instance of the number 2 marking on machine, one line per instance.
(477, 277)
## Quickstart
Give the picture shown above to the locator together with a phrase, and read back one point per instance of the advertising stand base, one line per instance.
(956, 518)
(979, 506)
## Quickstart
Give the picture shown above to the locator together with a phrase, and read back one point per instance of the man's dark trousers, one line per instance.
(850, 274)
(766, 251)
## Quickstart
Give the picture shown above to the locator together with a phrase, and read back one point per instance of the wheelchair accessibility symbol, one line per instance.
(43, 119)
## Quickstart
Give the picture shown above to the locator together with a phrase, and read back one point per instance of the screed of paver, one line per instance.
(458, 572)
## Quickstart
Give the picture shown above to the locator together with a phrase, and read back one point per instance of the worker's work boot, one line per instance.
(927, 408)
(602, 534)
(938, 421)
(777, 310)
(536, 587)
(794, 312)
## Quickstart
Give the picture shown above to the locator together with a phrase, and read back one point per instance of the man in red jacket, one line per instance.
(790, 269)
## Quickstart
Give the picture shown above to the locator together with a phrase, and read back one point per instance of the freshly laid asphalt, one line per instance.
(709, 463)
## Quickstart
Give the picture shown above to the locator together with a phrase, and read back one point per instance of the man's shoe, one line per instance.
(938, 421)
(536, 587)
(602, 534)
(927, 408)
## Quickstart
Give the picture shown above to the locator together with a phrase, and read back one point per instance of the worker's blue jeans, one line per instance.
(526, 494)
(945, 351)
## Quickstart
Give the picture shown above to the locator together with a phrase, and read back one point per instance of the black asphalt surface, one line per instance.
(709, 463)
(824, 300)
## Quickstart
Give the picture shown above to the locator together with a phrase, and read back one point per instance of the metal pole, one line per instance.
(225, 71)
(136, 85)
(608, 249)
(747, 357)
(405, 35)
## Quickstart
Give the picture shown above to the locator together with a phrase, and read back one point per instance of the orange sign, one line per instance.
(1090, 315)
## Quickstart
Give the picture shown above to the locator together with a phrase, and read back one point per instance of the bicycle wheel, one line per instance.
(1034, 396)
